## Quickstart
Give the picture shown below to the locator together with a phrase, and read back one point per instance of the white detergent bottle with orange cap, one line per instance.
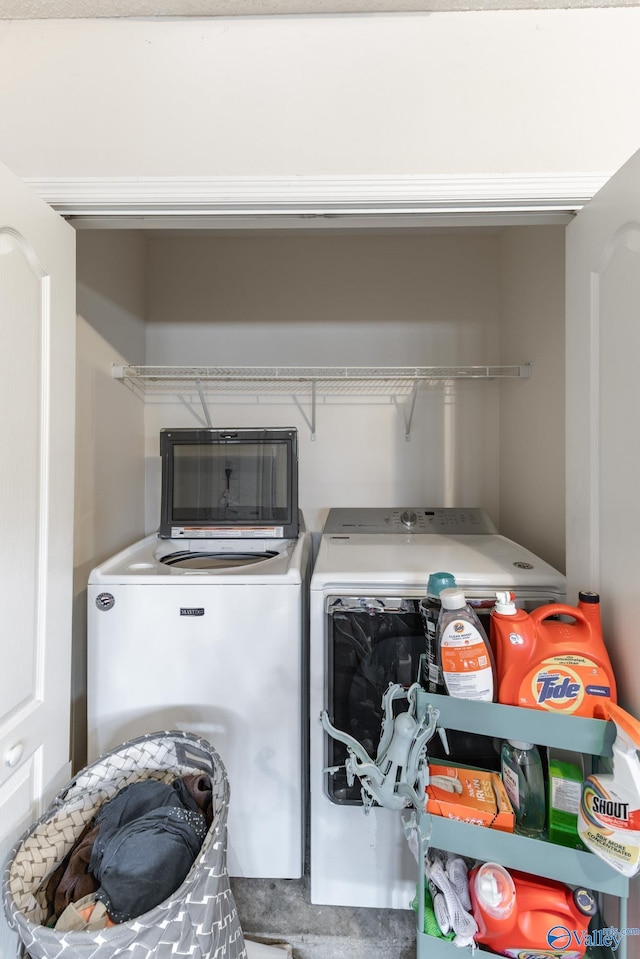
(609, 816)
(466, 659)
(548, 663)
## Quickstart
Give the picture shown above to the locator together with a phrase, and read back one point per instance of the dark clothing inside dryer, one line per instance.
(138, 849)
(374, 645)
(392, 660)
(371, 648)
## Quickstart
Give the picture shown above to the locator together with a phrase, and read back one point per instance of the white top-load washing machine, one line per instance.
(366, 631)
(204, 628)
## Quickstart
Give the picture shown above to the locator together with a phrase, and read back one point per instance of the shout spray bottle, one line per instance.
(609, 816)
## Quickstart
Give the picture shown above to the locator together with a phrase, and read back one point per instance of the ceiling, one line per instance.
(62, 9)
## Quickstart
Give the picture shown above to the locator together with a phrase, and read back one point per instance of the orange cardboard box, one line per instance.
(480, 797)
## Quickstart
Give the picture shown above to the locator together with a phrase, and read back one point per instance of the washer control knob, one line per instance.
(408, 518)
(13, 756)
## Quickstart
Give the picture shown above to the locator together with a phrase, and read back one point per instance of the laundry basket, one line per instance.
(199, 920)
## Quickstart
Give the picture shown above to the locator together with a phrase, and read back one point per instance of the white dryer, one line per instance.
(205, 630)
(366, 631)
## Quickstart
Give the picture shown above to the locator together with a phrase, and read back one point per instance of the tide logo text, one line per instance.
(556, 687)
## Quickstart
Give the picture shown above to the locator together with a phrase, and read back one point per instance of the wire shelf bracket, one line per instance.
(395, 382)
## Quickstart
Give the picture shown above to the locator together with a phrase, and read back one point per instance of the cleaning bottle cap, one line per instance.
(587, 596)
(453, 599)
(439, 581)
(518, 744)
(495, 890)
(505, 604)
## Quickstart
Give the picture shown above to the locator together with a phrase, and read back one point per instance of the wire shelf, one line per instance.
(310, 381)
(326, 380)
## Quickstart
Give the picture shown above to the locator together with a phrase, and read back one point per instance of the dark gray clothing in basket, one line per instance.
(198, 920)
(147, 841)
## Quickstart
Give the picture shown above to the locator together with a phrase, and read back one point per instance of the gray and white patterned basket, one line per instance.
(200, 918)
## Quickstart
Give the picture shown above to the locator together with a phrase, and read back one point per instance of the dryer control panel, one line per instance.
(417, 519)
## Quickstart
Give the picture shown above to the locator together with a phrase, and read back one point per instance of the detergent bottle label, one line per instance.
(512, 785)
(466, 667)
(610, 826)
(561, 683)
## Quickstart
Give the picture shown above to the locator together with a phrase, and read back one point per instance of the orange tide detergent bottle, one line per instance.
(551, 664)
(524, 916)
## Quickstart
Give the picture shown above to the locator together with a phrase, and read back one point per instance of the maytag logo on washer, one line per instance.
(105, 601)
(192, 610)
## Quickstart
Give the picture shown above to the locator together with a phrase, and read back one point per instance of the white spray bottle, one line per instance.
(609, 817)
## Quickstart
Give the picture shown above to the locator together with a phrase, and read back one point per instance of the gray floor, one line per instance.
(280, 910)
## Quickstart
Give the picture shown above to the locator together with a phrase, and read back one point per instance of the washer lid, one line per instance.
(486, 563)
(232, 483)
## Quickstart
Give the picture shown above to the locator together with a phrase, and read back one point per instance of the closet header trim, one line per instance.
(227, 200)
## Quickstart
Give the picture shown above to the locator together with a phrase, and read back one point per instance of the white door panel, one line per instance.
(37, 363)
(603, 405)
(603, 455)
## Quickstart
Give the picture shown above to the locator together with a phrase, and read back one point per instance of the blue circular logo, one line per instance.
(559, 937)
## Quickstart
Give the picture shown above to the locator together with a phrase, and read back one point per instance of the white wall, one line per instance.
(111, 288)
(532, 430)
(109, 482)
(476, 92)
(111, 304)
(339, 301)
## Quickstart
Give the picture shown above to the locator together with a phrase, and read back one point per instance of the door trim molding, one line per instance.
(87, 200)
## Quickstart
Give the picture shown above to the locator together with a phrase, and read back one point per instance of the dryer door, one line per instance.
(372, 642)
